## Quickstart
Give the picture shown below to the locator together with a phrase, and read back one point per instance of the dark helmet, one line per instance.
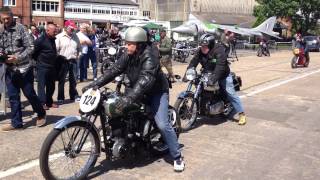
(207, 40)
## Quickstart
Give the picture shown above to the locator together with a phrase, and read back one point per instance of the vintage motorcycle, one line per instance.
(109, 56)
(202, 97)
(263, 49)
(71, 149)
(299, 59)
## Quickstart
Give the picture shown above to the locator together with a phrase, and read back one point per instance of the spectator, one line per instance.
(92, 51)
(15, 41)
(45, 53)
(34, 33)
(85, 42)
(115, 36)
(165, 48)
(68, 49)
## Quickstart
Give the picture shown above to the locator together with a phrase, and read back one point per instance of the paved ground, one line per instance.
(280, 141)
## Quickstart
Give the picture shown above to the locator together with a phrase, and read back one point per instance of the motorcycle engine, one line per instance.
(119, 147)
(215, 108)
(212, 104)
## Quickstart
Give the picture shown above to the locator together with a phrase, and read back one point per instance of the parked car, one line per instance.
(313, 43)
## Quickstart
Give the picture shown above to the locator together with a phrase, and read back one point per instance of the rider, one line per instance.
(147, 82)
(301, 43)
(115, 36)
(213, 57)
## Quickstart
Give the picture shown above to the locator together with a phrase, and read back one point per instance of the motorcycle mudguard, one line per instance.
(64, 122)
(185, 94)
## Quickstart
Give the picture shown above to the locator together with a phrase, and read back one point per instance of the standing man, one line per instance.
(92, 51)
(165, 48)
(45, 53)
(16, 43)
(68, 47)
(85, 43)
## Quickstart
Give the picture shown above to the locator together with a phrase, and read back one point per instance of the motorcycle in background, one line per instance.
(202, 97)
(263, 49)
(299, 59)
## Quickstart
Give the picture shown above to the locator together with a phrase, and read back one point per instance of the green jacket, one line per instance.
(165, 46)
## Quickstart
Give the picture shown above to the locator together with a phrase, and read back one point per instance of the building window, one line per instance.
(9, 2)
(45, 6)
(146, 13)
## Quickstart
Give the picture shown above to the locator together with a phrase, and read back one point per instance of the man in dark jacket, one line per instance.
(16, 43)
(141, 65)
(213, 58)
(45, 53)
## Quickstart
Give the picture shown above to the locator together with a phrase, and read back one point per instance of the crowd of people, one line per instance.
(46, 55)
(56, 53)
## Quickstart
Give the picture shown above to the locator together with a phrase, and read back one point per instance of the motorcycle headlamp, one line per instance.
(191, 74)
(112, 51)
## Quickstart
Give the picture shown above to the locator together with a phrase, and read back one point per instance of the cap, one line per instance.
(70, 23)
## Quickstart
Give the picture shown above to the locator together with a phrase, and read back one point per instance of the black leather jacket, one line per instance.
(215, 61)
(143, 71)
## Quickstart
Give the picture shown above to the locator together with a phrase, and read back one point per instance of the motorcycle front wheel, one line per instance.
(69, 153)
(293, 62)
(259, 53)
(187, 110)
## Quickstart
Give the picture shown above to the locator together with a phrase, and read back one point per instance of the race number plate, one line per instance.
(89, 100)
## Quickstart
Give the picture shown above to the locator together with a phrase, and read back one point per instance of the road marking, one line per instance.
(33, 163)
(278, 84)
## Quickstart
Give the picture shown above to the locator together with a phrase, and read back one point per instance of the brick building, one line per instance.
(47, 11)
(20, 8)
(38, 12)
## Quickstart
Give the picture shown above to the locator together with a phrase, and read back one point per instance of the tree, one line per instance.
(303, 13)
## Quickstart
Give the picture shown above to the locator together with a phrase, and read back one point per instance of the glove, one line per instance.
(123, 103)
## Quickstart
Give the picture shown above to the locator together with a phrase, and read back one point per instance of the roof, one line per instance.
(120, 2)
(226, 19)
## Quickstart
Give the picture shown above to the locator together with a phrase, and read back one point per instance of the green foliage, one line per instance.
(304, 13)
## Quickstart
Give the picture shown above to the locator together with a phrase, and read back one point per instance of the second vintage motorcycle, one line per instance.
(202, 97)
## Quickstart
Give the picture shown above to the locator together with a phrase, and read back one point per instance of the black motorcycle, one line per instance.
(202, 97)
(263, 49)
(110, 56)
(181, 51)
(71, 149)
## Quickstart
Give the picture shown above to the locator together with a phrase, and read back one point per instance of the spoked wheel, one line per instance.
(293, 62)
(69, 153)
(259, 53)
(188, 111)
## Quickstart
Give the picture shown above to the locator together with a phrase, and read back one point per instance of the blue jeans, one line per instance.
(159, 107)
(228, 88)
(93, 58)
(84, 58)
(16, 81)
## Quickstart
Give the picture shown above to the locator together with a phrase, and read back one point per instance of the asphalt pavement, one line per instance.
(280, 140)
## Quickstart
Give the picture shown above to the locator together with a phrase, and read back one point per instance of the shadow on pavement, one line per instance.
(215, 120)
(51, 119)
(129, 163)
